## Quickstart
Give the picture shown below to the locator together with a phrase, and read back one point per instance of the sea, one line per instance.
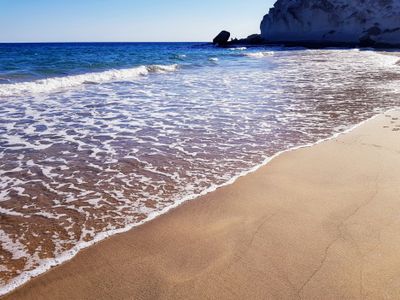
(97, 138)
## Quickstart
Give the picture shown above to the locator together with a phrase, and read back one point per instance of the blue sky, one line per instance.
(127, 20)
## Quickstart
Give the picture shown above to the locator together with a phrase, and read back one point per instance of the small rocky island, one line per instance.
(321, 23)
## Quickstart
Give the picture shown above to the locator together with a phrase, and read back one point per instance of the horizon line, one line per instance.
(93, 42)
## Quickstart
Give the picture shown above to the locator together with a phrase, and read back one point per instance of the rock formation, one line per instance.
(353, 22)
(222, 38)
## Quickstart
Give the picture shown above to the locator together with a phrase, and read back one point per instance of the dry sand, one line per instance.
(316, 223)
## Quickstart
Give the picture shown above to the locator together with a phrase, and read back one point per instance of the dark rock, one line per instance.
(254, 39)
(366, 41)
(375, 30)
(222, 38)
(391, 30)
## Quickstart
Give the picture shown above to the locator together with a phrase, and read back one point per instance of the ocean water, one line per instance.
(98, 138)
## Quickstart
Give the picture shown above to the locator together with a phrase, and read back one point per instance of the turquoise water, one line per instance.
(97, 138)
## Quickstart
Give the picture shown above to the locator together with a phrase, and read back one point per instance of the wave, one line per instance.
(258, 54)
(51, 84)
(238, 49)
(179, 56)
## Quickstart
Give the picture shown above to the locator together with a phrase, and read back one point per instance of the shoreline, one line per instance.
(209, 194)
(315, 45)
(56, 262)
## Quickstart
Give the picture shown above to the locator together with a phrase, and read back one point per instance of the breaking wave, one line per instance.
(238, 49)
(258, 54)
(51, 84)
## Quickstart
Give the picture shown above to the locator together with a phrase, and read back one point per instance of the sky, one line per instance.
(128, 20)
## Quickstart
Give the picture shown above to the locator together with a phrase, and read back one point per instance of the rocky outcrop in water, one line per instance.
(222, 38)
(324, 22)
(254, 39)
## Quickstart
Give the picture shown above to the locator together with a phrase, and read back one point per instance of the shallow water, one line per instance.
(117, 133)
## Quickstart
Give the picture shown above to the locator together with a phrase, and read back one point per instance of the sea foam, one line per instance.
(51, 84)
(258, 54)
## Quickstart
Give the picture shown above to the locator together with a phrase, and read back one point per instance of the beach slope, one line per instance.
(316, 223)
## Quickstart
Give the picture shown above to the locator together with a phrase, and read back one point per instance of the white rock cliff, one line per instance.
(365, 22)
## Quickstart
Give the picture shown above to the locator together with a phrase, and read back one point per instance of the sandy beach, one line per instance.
(316, 223)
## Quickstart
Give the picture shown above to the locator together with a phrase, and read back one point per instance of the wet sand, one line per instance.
(316, 223)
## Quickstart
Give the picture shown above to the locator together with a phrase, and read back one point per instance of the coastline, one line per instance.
(222, 227)
(315, 45)
(44, 264)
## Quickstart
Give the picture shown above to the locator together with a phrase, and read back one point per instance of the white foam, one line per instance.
(238, 49)
(47, 264)
(161, 68)
(51, 84)
(10, 212)
(15, 247)
(259, 54)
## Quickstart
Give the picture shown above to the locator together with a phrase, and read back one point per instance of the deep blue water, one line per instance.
(26, 62)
